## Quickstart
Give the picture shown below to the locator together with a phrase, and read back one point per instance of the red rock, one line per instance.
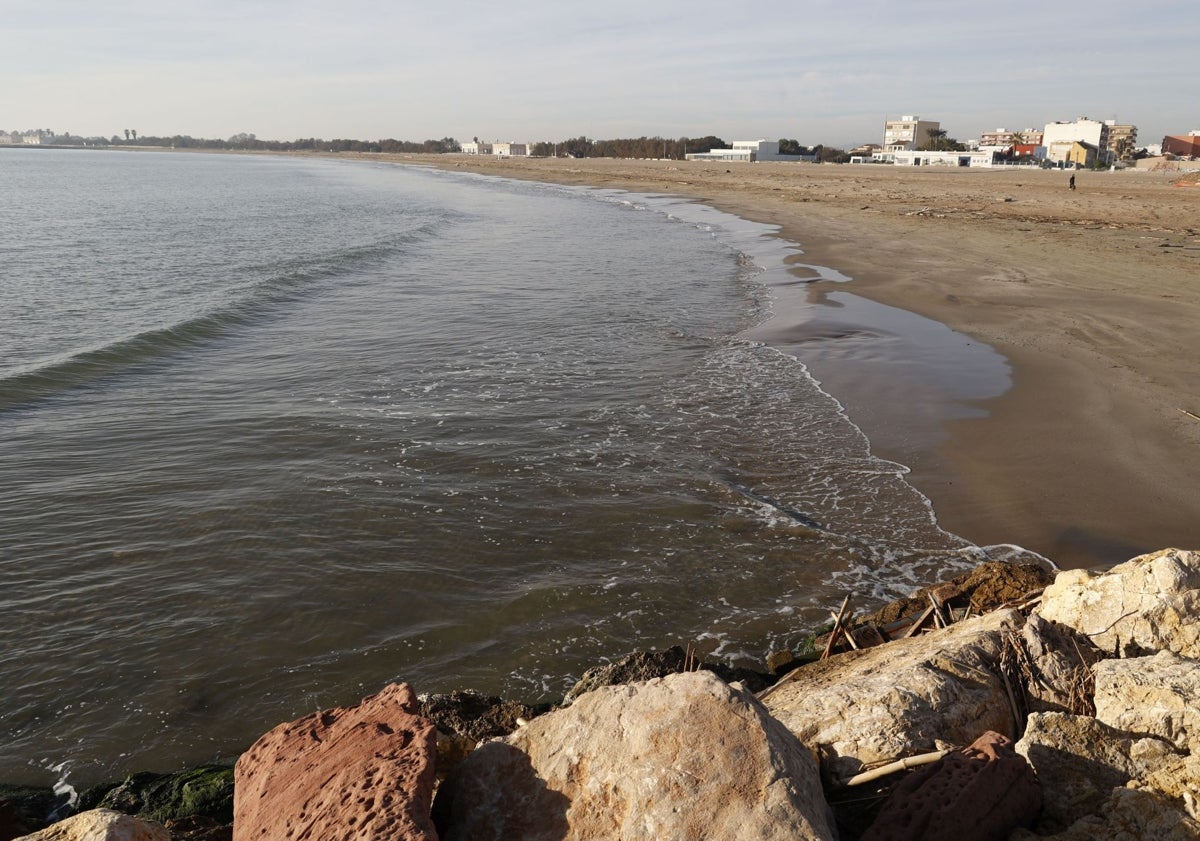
(982, 793)
(364, 772)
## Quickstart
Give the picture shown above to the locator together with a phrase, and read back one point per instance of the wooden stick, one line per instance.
(916, 626)
(938, 619)
(847, 630)
(837, 626)
(1191, 415)
(898, 765)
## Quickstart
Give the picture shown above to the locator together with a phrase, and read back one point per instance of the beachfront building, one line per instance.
(908, 133)
(1122, 140)
(1082, 155)
(748, 151)
(1060, 139)
(1005, 138)
(1183, 146)
(477, 148)
(973, 158)
(510, 150)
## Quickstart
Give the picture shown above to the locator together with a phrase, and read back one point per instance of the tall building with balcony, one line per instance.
(908, 133)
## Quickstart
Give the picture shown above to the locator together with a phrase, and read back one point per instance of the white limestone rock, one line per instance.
(1080, 760)
(1155, 696)
(898, 699)
(101, 825)
(1144, 605)
(680, 757)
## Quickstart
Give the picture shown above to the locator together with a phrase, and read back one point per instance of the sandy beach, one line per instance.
(1093, 297)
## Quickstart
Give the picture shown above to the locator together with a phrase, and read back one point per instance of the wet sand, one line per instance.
(1092, 296)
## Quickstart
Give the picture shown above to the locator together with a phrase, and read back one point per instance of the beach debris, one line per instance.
(899, 765)
(1191, 415)
(984, 791)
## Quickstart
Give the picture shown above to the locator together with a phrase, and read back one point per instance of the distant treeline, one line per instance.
(577, 147)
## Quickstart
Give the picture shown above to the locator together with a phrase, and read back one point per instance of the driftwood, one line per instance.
(1191, 415)
(837, 628)
(899, 765)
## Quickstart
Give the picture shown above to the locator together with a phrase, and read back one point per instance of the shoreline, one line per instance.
(1090, 457)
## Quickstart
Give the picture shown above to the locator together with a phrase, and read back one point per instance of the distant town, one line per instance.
(906, 141)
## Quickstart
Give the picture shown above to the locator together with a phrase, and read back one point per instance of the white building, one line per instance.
(476, 148)
(976, 158)
(1060, 137)
(510, 150)
(908, 133)
(748, 151)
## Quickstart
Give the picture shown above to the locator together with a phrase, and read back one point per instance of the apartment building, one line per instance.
(908, 133)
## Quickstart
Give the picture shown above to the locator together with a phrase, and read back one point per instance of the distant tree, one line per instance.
(792, 147)
(126, 134)
(936, 141)
(133, 132)
(1016, 139)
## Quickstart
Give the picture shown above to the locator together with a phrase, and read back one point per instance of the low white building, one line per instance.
(976, 158)
(510, 150)
(749, 151)
(476, 148)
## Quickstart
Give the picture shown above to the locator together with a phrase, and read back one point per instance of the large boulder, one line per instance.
(358, 772)
(1139, 607)
(102, 825)
(1080, 760)
(982, 792)
(1154, 696)
(680, 757)
(1129, 814)
(884, 703)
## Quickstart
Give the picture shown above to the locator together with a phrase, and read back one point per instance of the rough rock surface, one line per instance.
(988, 586)
(102, 825)
(1139, 607)
(1080, 761)
(1155, 696)
(1059, 661)
(982, 792)
(1129, 814)
(646, 665)
(464, 719)
(681, 757)
(883, 703)
(354, 773)
(204, 792)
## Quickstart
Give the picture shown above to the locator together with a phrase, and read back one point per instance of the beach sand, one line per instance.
(1092, 296)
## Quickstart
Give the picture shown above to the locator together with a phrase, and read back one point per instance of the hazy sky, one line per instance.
(816, 71)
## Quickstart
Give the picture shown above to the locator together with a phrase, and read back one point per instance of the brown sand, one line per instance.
(1093, 296)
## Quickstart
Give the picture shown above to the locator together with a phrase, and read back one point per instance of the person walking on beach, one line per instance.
(1071, 183)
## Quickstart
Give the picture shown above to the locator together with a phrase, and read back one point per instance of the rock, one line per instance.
(359, 772)
(1139, 607)
(1080, 761)
(464, 719)
(884, 703)
(204, 792)
(645, 665)
(982, 792)
(473, 715)
(1129, 814)
(781, 662)
(680, 757)
(987, 587)
(26, 808)
(1155, 696)
(1059, 662)
(102, 825)
(11, 822)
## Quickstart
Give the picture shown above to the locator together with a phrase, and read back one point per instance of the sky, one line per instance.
(527, 70)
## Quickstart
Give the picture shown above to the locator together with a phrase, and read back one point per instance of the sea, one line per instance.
(275, 432)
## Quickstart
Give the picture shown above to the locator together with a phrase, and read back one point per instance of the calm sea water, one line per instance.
(275, 432)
